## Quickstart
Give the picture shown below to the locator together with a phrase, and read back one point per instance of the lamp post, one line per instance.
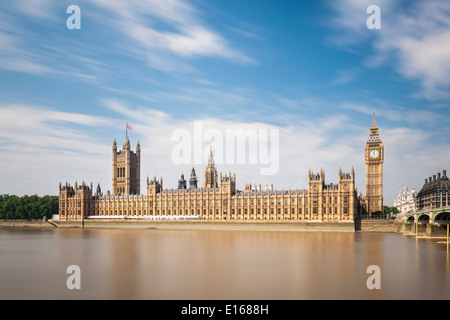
(417, 224)
(447, 237)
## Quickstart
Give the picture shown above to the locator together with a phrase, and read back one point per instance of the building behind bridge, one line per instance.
(434, 193)
(405, 202)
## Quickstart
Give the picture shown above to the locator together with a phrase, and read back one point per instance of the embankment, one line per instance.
(215, 225)
(27, 224)
(377, 226)
(357, 225)
(190, 225)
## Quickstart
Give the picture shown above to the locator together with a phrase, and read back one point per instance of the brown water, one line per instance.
(203, 264)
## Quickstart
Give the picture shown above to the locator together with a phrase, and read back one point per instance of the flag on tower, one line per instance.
(128, 127)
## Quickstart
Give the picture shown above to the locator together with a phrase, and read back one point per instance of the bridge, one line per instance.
(436, 216)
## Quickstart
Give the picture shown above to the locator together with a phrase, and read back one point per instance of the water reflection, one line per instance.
(204, 264)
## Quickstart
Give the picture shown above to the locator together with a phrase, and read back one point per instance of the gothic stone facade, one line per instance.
(126, 169)
(374, 156)
(320, 202)
(219, 199)
(405, 203)
(406, 200)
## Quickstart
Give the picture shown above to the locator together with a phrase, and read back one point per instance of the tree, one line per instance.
(378, 214)
(21, 213)
(28, 207)
(388, 210)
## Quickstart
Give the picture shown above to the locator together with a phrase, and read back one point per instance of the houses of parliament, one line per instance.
(219, 199)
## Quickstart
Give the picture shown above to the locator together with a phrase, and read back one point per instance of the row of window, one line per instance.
(72, 204)
(258, 211)
(252, 202)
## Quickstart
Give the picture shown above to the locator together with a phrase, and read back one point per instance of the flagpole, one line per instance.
(126, 129)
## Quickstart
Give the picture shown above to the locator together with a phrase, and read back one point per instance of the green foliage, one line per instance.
(28, 207)
(384, 214)
(392, 210)
(378, 214)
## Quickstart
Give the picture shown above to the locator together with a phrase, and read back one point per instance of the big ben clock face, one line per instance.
(374, 154)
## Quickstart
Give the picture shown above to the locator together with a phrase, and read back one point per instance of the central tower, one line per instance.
(210, 174)
(374, 155)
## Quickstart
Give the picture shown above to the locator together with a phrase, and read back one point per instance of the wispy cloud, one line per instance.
(425, 117)
(40, 146)
(414, 40)
(166, 36)
(249, 30)
(146, 56)
(188, 36)
(346, 76)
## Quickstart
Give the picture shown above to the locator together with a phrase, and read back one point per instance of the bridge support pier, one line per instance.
(434, 230)
(403, 227)
(429, 230)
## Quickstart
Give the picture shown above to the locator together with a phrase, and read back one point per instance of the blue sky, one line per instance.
(311, 69)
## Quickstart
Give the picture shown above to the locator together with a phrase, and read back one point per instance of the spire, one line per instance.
(181, 182)
(210, 173)
(374, 135)
(138, 148)
(193, 179)
(210, 157)
(374, 122)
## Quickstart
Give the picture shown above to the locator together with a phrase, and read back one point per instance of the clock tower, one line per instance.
(374, 155)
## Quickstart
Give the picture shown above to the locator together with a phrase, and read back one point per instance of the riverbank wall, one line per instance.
(27, 224)
(379, 226)
(189, 225)
(217, 225)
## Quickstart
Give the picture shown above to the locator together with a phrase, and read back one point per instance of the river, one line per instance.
(207, 264)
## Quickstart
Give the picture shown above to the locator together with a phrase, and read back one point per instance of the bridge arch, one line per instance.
(423, 219)
(442, 218)
(410, 219)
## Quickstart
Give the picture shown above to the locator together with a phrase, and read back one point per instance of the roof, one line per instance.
(431, 185)
(374, 122)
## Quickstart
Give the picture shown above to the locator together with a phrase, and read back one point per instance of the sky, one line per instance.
(304, 76)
